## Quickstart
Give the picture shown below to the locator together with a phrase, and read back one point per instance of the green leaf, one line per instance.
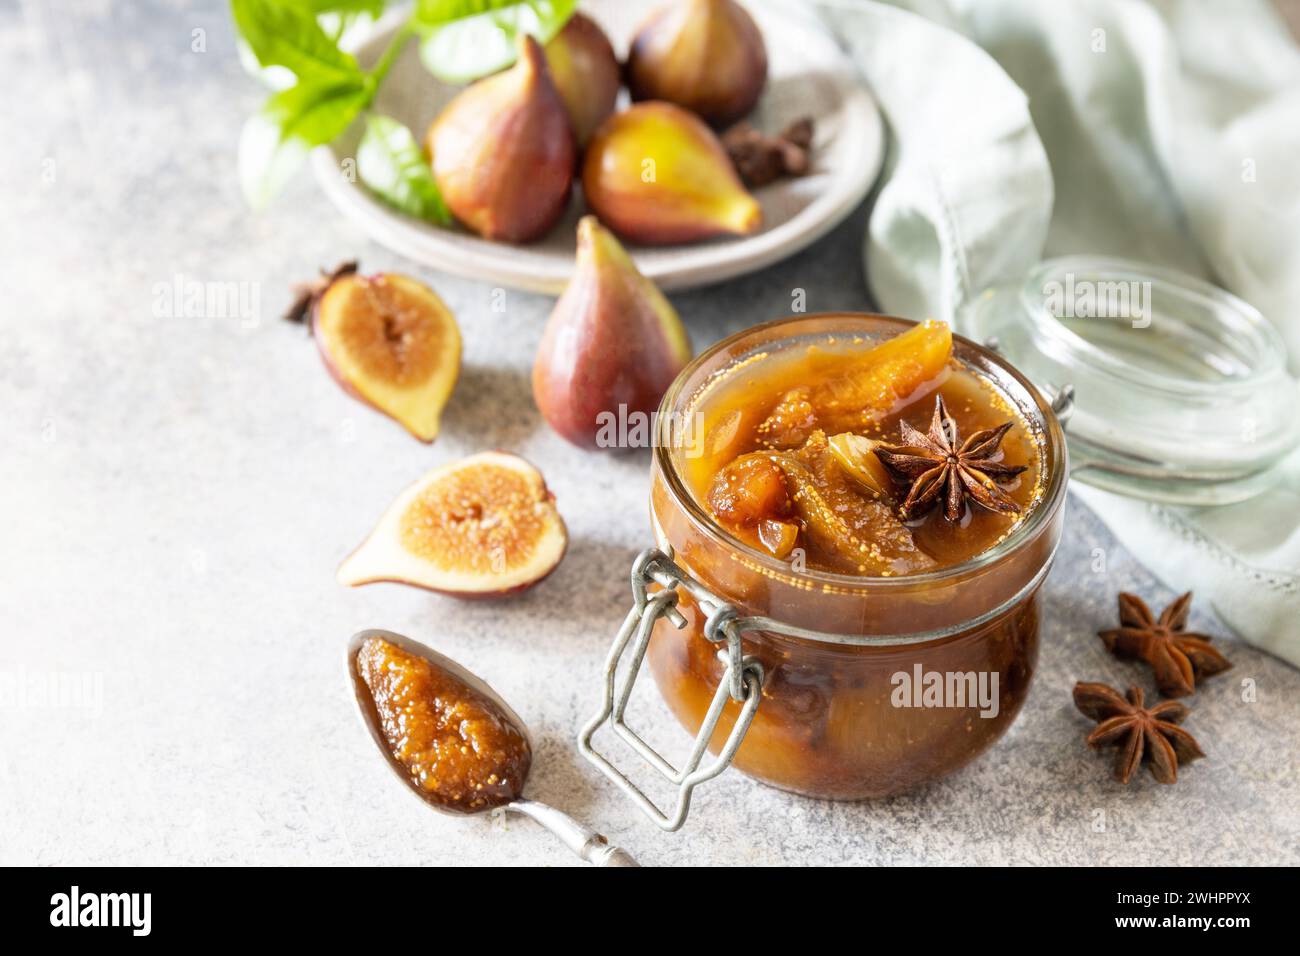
(463, 40)
(275, 141)
(339, 18)
(274, 78)
(335, 17)
(285, 33)
(390, 162)
(372, 7)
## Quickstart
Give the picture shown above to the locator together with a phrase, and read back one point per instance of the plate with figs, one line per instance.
(713, 137)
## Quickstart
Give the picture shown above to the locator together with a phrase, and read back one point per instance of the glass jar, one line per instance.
(1180, 389)
(834, 703)
(1175, 391)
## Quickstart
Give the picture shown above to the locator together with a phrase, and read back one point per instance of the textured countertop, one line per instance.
(177, 489)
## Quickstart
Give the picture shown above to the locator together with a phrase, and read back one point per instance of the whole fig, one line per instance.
(503, 151)
(656, 174)
(705, 55)
(586, 73)
(611, 348)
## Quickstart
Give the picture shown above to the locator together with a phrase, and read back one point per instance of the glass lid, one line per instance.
(1180, 390)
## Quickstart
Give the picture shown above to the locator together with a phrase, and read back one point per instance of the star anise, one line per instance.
(1180, 659)
(305, 294)
(933, 463)
(1143, 734)
(761, 159)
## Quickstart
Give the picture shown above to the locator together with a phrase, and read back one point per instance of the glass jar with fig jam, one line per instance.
(853, 517)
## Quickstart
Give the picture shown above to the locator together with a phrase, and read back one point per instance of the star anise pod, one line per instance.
(305, 294)
(761, 159)
(1143, 734)
(1180, 659)
(933, 463)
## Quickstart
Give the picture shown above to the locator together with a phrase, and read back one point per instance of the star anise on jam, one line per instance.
(1143, 734)
(1180, 659)
(933, 465)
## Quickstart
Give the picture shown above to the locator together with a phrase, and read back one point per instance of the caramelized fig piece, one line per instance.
(791, 420)
(808, 491)
(612, 345)
(749, 490)
(482, 526)
(388, 340)
(503, 151)
(586, 73)
(861, 534)
(889, 375)
(779, 537)
(894, 371)
(819, 517)
(656, 174)
(857, 457)
(705, 55)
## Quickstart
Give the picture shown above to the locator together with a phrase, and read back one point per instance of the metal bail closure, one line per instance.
(742, 676)
(742, 681)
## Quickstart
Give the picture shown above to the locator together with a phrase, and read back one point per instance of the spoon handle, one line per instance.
(588, 844)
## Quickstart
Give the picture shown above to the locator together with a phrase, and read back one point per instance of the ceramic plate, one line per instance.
(808, 76)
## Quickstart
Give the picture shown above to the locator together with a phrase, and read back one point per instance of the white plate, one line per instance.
(808, 76)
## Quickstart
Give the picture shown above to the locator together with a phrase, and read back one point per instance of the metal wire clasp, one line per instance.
(742, 681)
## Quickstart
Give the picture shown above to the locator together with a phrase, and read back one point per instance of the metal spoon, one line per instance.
(588, 844)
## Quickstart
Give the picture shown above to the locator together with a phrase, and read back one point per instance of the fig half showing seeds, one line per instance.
(503, 151)
(655, 174)
(390, 341)
(705, 55)
(482, 526)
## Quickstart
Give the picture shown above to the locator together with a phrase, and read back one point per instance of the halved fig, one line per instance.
(482, 526)
(389, 341)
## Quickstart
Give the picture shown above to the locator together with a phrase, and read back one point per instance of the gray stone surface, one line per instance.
(177, 492)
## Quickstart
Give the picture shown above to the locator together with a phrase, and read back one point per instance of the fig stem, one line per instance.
(305, 294)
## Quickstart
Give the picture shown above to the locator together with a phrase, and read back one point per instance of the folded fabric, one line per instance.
(1167, 132)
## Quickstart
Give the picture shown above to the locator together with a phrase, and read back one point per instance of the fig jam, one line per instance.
(462, 751)
(776, 507)
(788, 477)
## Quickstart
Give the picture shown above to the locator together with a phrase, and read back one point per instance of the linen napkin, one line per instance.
(1164, 131)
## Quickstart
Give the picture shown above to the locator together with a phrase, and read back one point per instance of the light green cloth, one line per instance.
(1167, 132)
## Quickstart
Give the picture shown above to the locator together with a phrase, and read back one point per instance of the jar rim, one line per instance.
(1056, 463)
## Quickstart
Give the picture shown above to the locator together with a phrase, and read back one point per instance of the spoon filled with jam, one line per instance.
(452, 739)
